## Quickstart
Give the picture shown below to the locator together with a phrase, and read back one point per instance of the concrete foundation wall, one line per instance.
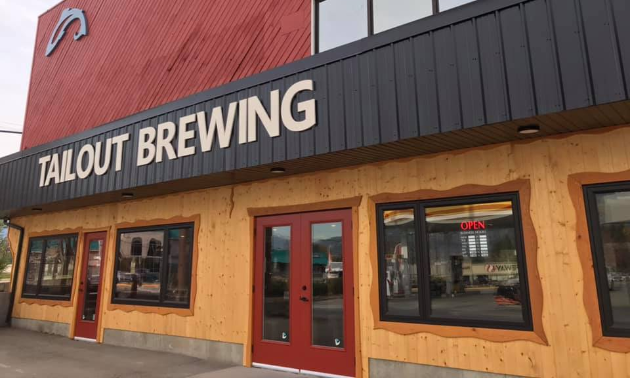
(388, 369)
(53, 328)
(205, 349)
(4, 307)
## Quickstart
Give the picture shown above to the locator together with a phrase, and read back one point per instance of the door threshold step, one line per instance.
(77, 338)
(297, 371)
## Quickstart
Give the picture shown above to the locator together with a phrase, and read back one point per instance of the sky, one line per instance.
(18, 25)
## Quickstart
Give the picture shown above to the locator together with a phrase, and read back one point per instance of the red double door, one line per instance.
(304, 305)
(88, 305)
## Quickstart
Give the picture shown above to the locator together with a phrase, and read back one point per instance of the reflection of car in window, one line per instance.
(511, 290)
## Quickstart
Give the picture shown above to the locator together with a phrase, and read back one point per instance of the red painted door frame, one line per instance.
(299, 353)
(88, 328)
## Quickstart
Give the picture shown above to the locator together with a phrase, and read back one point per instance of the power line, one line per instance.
(11, 123)
(11, 132)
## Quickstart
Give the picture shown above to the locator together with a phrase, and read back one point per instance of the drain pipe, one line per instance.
(16, 267)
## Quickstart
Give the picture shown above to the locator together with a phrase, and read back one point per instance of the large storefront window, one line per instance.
(50, 269)
(454, 262)
(153, 266)
(339, 22)
(609, 221)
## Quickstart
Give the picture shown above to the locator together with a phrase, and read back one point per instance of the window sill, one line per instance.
(46, 302)
(489, 334)
(613, 344)
(179, 311)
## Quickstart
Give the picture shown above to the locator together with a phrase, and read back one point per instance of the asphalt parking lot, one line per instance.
(25, 354)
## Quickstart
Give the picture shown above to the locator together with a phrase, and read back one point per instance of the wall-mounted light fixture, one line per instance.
(528, 129)
(277, 170)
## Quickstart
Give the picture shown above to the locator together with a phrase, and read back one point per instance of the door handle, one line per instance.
(304, 299)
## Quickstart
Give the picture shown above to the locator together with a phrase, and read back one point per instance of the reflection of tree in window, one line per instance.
(136, 247)
(57, 269)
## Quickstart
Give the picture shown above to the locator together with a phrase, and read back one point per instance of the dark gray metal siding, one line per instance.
(490, 62)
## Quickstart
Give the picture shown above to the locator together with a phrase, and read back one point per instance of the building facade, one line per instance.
(359, 188)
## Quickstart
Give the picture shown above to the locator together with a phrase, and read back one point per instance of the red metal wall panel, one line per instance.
(140, 54)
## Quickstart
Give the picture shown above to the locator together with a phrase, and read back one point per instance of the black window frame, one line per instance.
(48, 297)
(163, 267)
(424, 268)
(599, 264)
(370, 18)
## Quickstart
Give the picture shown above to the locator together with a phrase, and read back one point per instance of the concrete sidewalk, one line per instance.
(25, 354)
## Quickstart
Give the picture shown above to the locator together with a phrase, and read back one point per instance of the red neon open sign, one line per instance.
(473, 225)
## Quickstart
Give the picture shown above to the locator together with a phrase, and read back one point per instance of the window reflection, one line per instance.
(341, 22)
(327, 275)
(453, 262)
(154, 266)
(391, 13)
(450, 4)
(93, 280)
(276, 295)
(139, 263)
(473, 262)
(401, 278)
(50, 270)
(179, 262)
(6, 258)
(32, 270)
(614, 224)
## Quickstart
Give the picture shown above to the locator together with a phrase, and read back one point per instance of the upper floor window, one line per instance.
(454, 262)
(154, 266)
(608, 214)
(339, 22)
(50, 270)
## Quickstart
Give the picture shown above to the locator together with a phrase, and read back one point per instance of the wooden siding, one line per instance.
(140, 54)
(223, 305)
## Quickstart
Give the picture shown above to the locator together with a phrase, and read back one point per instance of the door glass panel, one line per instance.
(92, 280)
(276, 275)
(327, 283)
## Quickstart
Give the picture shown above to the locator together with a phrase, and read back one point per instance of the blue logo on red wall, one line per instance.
(68, 16)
